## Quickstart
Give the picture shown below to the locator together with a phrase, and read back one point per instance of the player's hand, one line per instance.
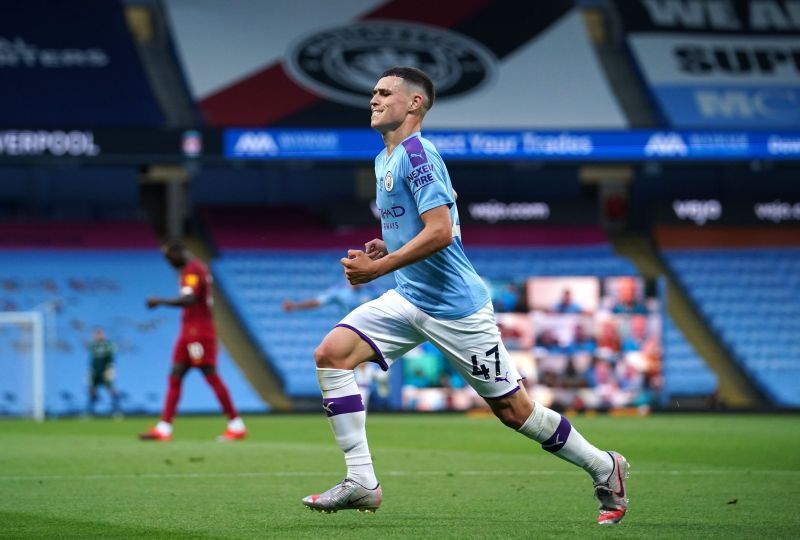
(288, 305)
(152, 302)
(376, 248)
(358, 267)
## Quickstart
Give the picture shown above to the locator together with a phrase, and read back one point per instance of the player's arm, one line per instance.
(188, 293)
(436, 235)
(183, 300)
(289, 305)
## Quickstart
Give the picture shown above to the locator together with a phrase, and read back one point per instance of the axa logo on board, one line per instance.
(666, 144)
(255, 143)
(342, 63)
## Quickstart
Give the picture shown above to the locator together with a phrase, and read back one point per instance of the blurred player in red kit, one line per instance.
(196, 345)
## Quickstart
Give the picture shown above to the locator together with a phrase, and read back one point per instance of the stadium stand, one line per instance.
(274, 267)
(167, 77)
(258, 280)
(685, 372)
(83, 275)
(746, 294)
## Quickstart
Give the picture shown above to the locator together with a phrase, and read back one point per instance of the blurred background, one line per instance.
(628, 175)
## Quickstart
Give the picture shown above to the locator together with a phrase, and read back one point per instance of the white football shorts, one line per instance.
(392, 326)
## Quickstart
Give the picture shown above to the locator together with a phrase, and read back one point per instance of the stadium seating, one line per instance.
(748, 296)
(79, 289)
(685, 372)
(257, 280)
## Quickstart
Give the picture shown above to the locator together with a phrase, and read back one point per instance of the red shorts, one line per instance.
(199, 351)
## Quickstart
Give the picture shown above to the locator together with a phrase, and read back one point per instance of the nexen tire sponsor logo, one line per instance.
(54, 143)
(420, 177)
(698, 211)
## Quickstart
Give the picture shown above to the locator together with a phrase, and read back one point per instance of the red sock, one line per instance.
(222, 395)
(173, 396)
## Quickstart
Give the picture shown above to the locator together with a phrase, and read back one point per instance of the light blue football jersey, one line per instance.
(411, 181)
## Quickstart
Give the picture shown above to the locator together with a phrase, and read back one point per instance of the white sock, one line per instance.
(236, 424)
(559, 437)
(348, 419)
(165, 428)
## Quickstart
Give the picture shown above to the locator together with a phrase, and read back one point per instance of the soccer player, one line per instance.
(438, 298)
(101, 370)
(196, 345)
(346, 297)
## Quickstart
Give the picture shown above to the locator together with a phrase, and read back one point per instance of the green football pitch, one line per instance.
(444, 476)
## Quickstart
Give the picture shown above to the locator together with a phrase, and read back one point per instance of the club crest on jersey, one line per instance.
(388, 181)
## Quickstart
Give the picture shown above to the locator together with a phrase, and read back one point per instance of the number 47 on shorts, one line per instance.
(481, 369)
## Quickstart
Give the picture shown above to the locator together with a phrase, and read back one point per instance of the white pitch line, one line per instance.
(291, 474)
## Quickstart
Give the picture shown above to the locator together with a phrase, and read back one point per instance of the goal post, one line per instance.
(32, 324)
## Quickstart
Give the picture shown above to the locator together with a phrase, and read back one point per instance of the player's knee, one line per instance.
(325, 356)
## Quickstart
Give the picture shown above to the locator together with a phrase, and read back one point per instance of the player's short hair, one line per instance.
(416, 77)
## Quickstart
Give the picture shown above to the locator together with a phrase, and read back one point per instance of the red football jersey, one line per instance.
(197, 320)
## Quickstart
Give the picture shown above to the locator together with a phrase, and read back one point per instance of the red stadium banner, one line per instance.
(496, 64)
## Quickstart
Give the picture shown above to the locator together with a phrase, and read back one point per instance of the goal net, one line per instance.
(22, 364)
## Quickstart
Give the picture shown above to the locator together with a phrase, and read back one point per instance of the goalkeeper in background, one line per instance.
(101, 371)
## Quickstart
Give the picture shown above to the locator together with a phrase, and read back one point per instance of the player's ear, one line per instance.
(417, 102)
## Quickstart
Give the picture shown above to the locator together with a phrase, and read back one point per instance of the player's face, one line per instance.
(175, 257)
(390, 103)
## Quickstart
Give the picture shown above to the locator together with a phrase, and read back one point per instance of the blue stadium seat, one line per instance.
(258, 281)
(749, 298)
(107, 288)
